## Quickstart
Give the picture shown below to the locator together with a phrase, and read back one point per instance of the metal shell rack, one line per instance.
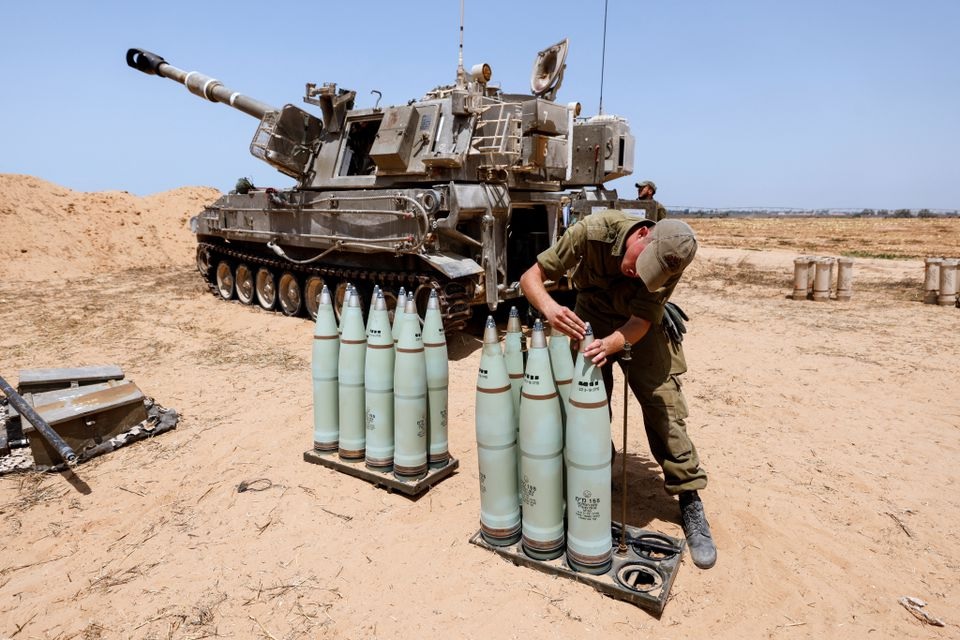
(642, 576)
(386, 480)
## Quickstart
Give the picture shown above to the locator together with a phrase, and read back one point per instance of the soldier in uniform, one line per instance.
(625, 270)
(645, 191)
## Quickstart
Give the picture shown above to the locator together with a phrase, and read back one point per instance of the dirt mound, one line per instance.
(51, 231)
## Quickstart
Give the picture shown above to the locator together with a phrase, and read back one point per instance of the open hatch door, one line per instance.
(547, 74)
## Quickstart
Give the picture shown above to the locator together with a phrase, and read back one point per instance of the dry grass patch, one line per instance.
(857, 237)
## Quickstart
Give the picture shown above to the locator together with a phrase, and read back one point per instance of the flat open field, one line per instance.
(831, 433)
(857, 237)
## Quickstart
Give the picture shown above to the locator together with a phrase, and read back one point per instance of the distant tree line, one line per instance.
(906, 213)
(762, 212)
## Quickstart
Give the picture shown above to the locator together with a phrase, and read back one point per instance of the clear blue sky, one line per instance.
(816, 103)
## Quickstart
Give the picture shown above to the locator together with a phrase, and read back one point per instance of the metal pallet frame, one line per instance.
(385, 480)
(654, 599)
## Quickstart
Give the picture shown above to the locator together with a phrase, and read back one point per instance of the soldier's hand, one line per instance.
(597, 352)
(565, 321)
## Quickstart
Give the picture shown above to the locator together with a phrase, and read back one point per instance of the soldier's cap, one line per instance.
(646, 183)
(671, 247)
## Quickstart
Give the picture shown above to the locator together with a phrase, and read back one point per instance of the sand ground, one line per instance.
(831, 433)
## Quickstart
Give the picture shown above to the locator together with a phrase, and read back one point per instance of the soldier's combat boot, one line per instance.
(697, 530)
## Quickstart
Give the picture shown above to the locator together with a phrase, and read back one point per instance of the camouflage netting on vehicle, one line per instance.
(159, 419)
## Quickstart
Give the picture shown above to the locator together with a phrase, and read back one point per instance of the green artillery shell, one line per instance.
(513, 351)
(541, 454)
(373, 303)
(589, 541)
(398, 314)
(378, 387)
(562, 362)
(353, 347)
(326, 352)
(496, 445)
(410, 399)
(344, 303)
(438, 380)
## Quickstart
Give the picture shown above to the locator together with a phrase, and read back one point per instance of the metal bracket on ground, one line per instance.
(643, 576)
(380, 479)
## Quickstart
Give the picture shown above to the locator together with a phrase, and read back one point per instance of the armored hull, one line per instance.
(236, 255)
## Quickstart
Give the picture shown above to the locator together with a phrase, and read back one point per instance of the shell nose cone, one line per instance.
(325, 295)
(381, 304)
(410, 306)
(513, 322)
(587, 338)
(490, 332)
(434, 302)
(538, 339)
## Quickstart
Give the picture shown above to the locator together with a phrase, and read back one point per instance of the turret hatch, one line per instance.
(548, 69)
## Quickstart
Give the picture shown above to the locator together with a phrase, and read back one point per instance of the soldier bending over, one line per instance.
(625, 270)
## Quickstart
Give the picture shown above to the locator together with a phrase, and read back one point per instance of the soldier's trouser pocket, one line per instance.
(664, 418)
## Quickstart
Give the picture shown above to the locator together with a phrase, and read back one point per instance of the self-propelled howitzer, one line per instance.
(459, 190)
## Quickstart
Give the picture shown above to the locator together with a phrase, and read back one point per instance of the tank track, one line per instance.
(454, 295)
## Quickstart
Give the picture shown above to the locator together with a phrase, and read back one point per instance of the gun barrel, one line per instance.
(44, 429)
(197, 83)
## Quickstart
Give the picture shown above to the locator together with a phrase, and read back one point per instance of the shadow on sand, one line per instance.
(646, 499)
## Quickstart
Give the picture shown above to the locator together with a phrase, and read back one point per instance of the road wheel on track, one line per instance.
(203, 261)
(290, 294)
(311, 295)
(244, 284)
(266, 287)
(225, 280)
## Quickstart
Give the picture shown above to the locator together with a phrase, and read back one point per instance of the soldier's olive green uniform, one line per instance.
(606, 298)
(661, 212)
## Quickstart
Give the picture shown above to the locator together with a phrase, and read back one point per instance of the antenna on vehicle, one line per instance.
(461, 73)
(603, 55)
